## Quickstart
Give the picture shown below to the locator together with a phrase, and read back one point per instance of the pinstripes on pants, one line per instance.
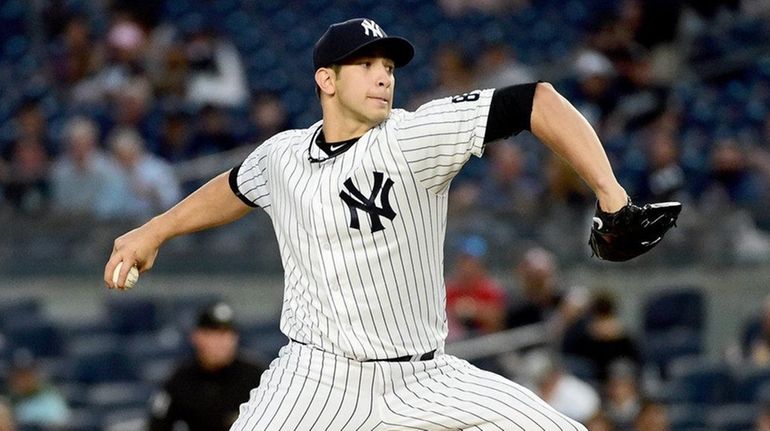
(309, 389)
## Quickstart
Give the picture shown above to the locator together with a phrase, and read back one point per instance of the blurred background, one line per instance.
(112, 111)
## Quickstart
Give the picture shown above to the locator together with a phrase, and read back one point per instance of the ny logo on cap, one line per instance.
(372, 26)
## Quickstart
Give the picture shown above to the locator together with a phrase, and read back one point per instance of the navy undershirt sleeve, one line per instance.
(510, 111)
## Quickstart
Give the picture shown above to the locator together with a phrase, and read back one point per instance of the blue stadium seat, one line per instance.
(731, 417)
(264, 338)
(22, 308)
(675, 307)
(99, 359)
(38, 335)
(705, 381)
(129, 419)
(686, 417)
(76, 394)
(102, 367)
(168, 343)
(580, 367)
(132, 315)
(182, 311)
(156, 371)
(660, 349)
(83, 419)
(749, 382)
(118, 396)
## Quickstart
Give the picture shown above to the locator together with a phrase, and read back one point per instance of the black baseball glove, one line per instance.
(632, 230)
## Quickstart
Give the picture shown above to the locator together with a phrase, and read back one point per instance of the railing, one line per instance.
(508, 341)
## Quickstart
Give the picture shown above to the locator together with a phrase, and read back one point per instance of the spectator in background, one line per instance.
(175, 139)
(622, 398)
(126, 44)
(213, 133)
(215, 71)
(475, 300)
(564, 189)
(7, 423)
(35, 401)
(268, 116)
(543, 298)
(29, 124)
(453, 75)
(641, 100)
(83, 179)
(75, 53)
(25, 177)
(497, 67)
(205, 394)
(567, 198)
(601, 337)
(152, 186)
(663, 178)
(170, 76)
(543, 373)
(131, 106)
(652, 416)
(730, 173)
(734, 190)
(506, 188)
(595, 94)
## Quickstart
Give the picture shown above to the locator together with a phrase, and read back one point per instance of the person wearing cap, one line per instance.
(35, 400)
(205, 392)
(358, 202)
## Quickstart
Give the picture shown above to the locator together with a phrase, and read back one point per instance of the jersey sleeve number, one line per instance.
(466, 97)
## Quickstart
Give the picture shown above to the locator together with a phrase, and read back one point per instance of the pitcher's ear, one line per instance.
(324, 80)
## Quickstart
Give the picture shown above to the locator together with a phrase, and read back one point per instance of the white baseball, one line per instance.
(131, 278)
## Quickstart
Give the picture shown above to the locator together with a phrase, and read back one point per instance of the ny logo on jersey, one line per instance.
(355, 201)
(372, 26)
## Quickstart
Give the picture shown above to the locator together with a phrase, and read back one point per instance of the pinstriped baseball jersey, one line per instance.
(361, 234)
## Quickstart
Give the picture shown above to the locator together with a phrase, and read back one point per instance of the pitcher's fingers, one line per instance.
(109, 268)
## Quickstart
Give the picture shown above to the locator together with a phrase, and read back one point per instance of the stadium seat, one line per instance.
(749, 382)
(118, 396)
(731, 417)
(156, 371)
(686, 417)
(126, 420)
(705, 381)
(660, 349)
(168, 343)
(674, 308)
(132, 316)
(264, 338)
(38, 335)
(182, 311)
(83, 419)
(99, 360)
(22, 308)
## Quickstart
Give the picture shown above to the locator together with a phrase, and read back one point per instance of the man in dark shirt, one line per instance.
(205, 394)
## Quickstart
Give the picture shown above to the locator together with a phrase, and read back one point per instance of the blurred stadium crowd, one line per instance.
(111, 111)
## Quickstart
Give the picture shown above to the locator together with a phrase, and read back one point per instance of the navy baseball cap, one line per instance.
(216, 316)
(345, 39)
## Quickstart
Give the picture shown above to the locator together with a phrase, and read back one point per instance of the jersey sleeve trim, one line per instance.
(233, 181)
